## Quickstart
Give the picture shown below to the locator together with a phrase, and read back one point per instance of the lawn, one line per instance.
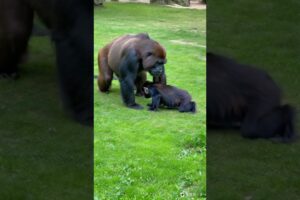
(43, 153)
(264, 34)
(143, 154)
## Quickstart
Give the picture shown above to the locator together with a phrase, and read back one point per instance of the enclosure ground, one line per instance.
(143, 154)
(240, 168)
(44, 154)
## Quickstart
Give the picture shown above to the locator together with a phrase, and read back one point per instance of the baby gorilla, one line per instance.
(168, 96)
(244, 96)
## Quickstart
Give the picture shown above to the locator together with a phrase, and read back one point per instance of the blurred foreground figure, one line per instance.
(243, 96)
(71, 26)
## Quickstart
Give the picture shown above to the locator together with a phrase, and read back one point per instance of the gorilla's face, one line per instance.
(157, 70)
(146, 92)
(154, 62)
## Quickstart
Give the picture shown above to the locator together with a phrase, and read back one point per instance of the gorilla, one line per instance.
(130, 57)
(71, 25)
(169, 96)
(242, 96)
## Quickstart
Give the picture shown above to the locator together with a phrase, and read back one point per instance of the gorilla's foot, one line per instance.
(152, 109)
(135, 106)
(280, 139)
(85, 117)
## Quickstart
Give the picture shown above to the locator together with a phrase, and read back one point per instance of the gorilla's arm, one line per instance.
(161, 79)
(129, 68)
(156, 97)
(74, 59)
(155, 102)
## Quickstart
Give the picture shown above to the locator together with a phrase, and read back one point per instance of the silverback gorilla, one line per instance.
(243, 96)
(70, 22)
(130, 57)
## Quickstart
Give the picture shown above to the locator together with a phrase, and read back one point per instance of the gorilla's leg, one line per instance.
(277, 122)
(105, 73)
(128, 74)
(156, 102)
(139, 82)
(75, 61)
(105, 78)
(16, 20)
(250, 126)
(187, 107)
(127, 90)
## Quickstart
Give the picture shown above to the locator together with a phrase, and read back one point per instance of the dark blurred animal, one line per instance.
(169, 96)
(242, 96)
(71, 26)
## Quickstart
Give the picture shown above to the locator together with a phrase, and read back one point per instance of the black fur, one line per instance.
(71, 26)
(169, 96)
(129, 57)
(243, 96)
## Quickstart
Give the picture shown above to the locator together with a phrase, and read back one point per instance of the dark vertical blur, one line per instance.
(264, 34)
(44, 152)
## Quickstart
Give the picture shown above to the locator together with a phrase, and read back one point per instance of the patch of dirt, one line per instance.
(187, 43)
(135, 1)
(193, 5)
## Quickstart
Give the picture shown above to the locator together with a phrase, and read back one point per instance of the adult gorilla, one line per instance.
(130, 57)
(70, 22)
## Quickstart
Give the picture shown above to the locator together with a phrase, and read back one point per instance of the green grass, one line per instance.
(43, 153)
(264, 34)
(152, 155)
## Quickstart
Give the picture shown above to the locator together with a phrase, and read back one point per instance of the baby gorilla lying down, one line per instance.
(244, 96)
(168, 96)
